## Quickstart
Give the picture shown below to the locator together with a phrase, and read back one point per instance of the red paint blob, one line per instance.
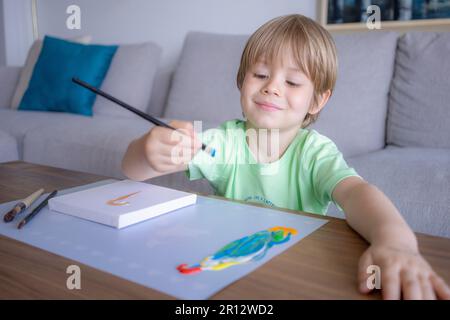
(183, 269)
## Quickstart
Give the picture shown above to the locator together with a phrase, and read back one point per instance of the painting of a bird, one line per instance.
(250, 248)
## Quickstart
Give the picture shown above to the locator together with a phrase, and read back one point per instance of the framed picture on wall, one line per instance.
(354, 14)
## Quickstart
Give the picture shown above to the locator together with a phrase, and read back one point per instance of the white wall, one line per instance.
(18, 30)
(2, 36)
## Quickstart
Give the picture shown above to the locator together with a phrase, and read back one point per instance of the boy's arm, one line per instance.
(372, 214)
(394, 248)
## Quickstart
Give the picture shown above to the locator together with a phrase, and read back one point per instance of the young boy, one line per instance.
(286, 76)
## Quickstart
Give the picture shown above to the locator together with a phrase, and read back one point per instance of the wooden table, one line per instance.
(321, 266)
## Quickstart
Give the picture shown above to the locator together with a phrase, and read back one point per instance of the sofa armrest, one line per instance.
(9, 76)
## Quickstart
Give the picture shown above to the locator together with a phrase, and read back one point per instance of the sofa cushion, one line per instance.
(130, 79)
(95, 145)
(9, 76)
(419, 105)
(17, 123)
(28, 67)
(204, 82)
(204, 86)
(355, 116)
(8, 147)
(51, 87)
(417, 181)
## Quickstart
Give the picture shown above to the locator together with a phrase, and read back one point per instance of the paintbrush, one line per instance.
(210, 151)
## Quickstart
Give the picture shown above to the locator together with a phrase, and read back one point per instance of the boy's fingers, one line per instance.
(440, 287)
(183, 148)
(187, 129)
(168, 136)
(184, 127)
(185, 142)
(176, 138)
(189, 143)
(427, 288)
(166, 149)
(390, 283)
(196, 144)
(177, 124)
(179, 154)
(410, 286)
(364, 262)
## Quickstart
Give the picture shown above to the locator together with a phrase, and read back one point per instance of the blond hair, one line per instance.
(312, 47)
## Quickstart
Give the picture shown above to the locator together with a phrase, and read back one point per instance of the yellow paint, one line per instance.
(285, 230)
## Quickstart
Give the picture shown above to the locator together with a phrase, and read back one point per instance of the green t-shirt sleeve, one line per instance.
(327, 167)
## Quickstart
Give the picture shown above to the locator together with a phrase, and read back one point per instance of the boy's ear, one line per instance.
(323, 99)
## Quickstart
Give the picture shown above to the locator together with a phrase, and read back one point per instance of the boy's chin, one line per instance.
(266, 123)
(262, 123)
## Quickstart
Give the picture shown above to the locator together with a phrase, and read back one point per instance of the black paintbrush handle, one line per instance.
(125, 105)
(121, 103)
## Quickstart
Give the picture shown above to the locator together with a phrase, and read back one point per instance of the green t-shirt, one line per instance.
(302, 179)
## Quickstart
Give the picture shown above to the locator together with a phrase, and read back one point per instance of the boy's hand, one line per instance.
(404, 273)
(167, 150)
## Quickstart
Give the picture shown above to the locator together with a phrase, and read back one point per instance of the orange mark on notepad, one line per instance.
(119, 201)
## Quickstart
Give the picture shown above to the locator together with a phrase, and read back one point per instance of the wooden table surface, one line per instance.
(320, 266)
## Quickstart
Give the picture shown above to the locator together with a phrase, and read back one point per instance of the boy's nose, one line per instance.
(271, 88)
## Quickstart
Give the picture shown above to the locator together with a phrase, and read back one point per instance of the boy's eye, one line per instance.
(263, 76)
(293, 84)
(260, 75)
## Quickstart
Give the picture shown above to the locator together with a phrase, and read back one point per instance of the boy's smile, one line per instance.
(267, 106)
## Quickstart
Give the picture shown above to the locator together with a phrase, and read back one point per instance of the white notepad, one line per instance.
(123, 203)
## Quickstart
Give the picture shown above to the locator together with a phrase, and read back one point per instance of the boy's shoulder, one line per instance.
(312, 143)
(314, 138)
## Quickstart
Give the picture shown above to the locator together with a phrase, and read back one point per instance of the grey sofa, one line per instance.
(389, 115)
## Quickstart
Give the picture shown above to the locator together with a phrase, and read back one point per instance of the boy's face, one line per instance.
(276, 94)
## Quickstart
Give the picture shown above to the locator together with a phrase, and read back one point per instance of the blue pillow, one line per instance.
(51, 87)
